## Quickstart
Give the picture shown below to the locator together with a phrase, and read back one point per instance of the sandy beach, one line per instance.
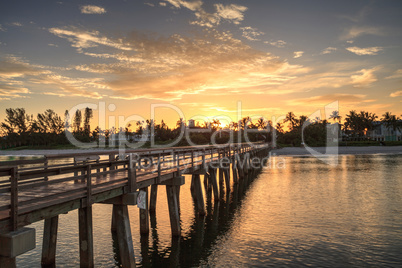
(283, 151)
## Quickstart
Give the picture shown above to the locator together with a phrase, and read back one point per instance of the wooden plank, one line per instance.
(22, 162)
(56, 209)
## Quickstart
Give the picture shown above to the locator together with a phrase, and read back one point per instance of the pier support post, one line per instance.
(171, 194)
(49, 242)
(86, 237)
(124, 238)
(226, 173)
(153, 198)
(199, 195)
(178, 197)
(240, 167)
(234, 171)
(221, 178)
(113, 226)
(144, 215)
(214, 184)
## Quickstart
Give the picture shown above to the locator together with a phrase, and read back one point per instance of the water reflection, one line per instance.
(196, 241)
(305, 214)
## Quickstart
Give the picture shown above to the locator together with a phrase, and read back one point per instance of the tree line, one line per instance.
(48, 129)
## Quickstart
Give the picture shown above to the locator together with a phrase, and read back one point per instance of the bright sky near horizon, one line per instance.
(203, 57)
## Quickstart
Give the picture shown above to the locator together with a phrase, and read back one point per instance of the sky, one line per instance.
(134, 59)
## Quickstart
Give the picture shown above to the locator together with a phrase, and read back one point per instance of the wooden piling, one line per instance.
(113, 225)
(173, 210)
(199, 195)
(234, 172)
(226, 173)
(124, 238)
(153, 198)
(214, 184)
(86, 237)
(144, 215)
(49, 242)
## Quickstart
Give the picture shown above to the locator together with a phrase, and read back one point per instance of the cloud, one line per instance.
(328, 50)
(170, 67)
(325, 99)
(360, 16)
(251, 34)
(232, 12)
(12, 70)
(365, 51)
(149, 4)
(297, 54)
(2, 29)
(356, 31)
(86, 39)
(18, 24)
(396, 74)
(16, 73)
(52, 45)
(192, 5)
(365, 77)
(90, 9)
(279, 43)
(396, 94)
(81, 87)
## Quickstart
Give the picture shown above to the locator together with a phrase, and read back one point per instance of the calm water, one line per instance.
(304, 214)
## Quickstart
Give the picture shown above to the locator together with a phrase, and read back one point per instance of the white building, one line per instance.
(381, 132)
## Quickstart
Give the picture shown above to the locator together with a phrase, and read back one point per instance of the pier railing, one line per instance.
(32, 190)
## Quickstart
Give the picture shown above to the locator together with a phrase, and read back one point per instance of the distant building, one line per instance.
(117, 139)
(381, 132)
(191, 123)
(142, 137)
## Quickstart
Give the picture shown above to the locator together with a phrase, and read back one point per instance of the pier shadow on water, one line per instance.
(196, 243)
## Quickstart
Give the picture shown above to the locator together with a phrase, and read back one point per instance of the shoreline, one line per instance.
(342, 150)
(289, 151)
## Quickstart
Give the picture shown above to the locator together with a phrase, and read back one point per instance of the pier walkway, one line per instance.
(44, 188)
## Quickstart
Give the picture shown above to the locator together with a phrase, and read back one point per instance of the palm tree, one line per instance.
(291, 118)
(261, 123)
(279, 127)
(335, 116)
(391, 121)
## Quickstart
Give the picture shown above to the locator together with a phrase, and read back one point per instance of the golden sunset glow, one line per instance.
(207, 59)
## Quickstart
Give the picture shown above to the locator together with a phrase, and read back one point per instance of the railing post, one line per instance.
(192, 160)
(89, 186)
(203, 159)
(159, 167)
(178, 164)
(46, 164)
(132, 174)
(14, 198)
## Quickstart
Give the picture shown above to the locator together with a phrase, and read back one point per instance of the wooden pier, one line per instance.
(44, 188)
